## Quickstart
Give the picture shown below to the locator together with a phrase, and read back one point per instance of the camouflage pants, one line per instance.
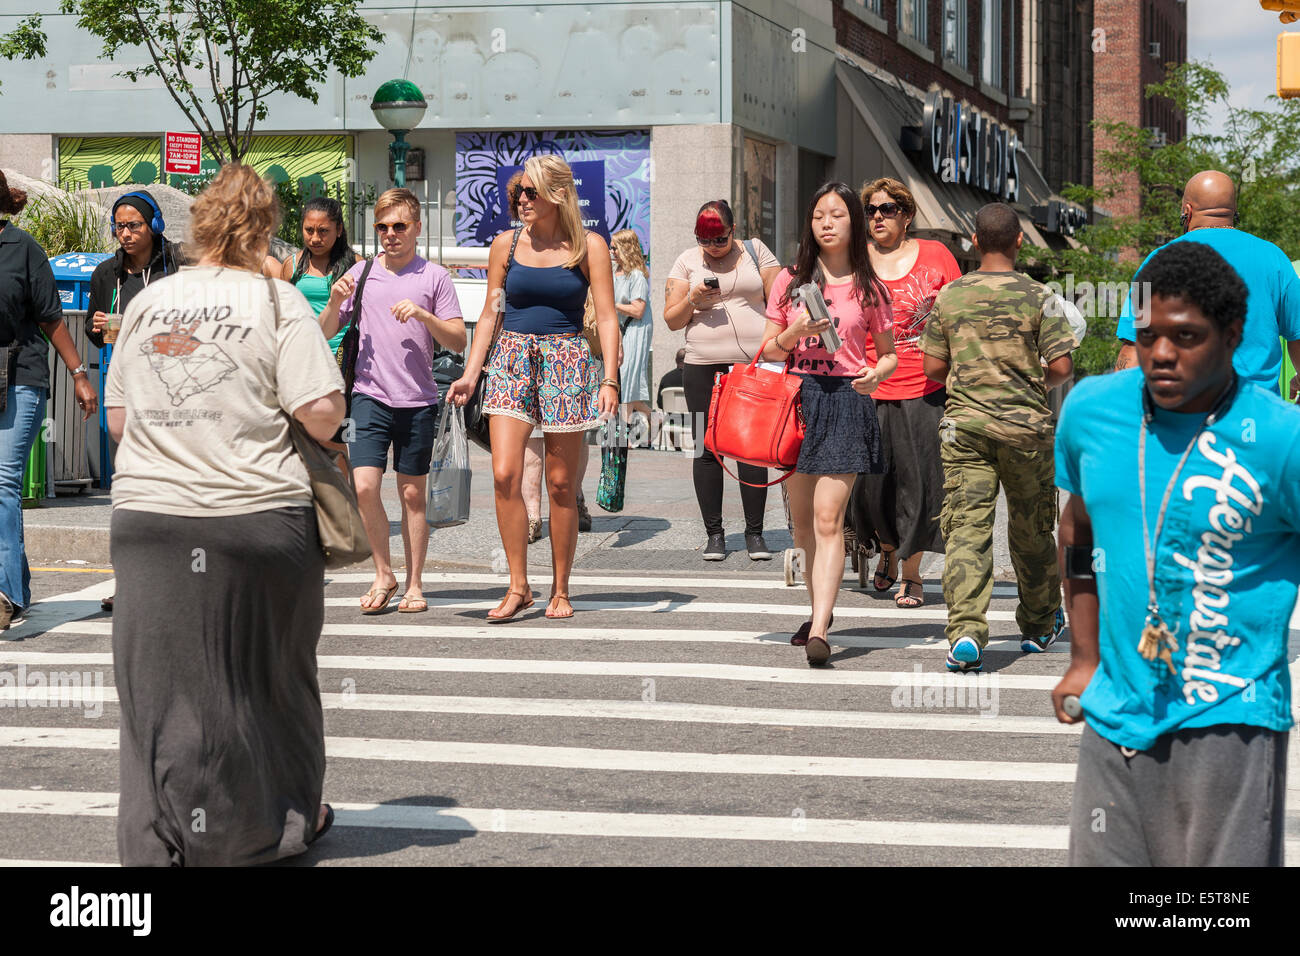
(972, 468)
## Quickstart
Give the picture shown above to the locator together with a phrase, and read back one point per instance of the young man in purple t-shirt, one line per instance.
(408, 305)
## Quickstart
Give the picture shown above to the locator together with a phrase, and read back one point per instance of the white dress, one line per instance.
(634, 373)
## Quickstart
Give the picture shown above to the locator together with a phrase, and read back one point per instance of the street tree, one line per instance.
(1258, 148)
(221, 59)
(26, 41)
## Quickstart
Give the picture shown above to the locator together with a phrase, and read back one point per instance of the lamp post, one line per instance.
(399, 106)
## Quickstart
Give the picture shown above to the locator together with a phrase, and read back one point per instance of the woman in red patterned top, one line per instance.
(904, 502)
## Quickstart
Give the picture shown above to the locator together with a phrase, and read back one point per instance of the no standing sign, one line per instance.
(182, 153)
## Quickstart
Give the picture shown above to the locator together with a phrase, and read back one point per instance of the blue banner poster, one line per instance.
(588, 176)
(610, 167)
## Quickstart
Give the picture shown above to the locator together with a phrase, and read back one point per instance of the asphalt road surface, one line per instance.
(669, 722)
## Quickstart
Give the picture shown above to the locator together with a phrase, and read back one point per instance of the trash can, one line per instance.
(72, 272)
(34, 475)
(66, 446)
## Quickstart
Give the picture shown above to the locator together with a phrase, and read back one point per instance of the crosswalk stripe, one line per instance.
(697, 580)
(667, 606)
(588, 758)
(59, 609)
(666, 711)
(794, 829)
(51, 863)
(787, 829)
(616, 635)
(961, 685)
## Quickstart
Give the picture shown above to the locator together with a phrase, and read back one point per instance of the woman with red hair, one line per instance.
(717, 291)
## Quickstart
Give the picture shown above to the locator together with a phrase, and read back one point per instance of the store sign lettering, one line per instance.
(969, 147)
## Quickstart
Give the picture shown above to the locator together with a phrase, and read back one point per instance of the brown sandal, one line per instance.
(559, 617)
(523, 605)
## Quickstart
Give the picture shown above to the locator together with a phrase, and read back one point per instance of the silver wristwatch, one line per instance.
(80, 370)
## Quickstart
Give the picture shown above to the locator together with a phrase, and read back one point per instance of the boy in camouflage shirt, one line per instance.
(987, 340)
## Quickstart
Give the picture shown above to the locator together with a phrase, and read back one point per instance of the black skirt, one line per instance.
(215, 625)
(842, 435)
(901, 505)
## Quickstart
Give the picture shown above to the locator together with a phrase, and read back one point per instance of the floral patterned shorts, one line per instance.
(546, 380)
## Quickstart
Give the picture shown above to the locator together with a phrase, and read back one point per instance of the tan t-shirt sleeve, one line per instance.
(681, 268)
(766, 257)
(305, 368)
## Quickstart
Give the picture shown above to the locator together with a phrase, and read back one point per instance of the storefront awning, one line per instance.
(871, 136)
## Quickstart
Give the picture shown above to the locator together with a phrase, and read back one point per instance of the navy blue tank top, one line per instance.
(545, 300)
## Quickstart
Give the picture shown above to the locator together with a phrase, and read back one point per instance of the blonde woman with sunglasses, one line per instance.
(540, 369)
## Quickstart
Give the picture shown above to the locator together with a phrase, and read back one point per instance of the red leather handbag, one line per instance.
(756, 417)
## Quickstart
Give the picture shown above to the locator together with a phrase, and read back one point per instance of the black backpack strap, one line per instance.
(356, 296)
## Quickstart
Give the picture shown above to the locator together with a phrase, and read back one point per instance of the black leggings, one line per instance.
(697, 381)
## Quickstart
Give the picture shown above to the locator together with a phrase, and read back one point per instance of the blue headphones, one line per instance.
(156, 225)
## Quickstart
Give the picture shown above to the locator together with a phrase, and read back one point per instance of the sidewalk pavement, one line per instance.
(658, 529)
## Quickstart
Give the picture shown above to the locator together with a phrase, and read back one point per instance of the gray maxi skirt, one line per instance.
(215, 625)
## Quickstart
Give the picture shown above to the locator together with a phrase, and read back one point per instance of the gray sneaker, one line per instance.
(757, 548)
(716, 549)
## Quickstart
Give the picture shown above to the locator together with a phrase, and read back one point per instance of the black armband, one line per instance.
(1078, 562)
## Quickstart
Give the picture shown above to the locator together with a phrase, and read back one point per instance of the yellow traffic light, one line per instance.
(1288, 65)
(1288, 10)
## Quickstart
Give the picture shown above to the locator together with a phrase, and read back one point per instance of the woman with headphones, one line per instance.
(144, 255)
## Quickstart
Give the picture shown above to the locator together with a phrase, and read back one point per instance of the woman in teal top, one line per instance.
(325, 257)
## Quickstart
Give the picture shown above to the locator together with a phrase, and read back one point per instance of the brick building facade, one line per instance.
(1011, 72)
(948, 52)
(1141, 38)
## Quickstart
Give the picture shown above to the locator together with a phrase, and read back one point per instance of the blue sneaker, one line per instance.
(1036, 645)
(965, 655)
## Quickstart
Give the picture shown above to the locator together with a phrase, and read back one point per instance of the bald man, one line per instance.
(1209, 216)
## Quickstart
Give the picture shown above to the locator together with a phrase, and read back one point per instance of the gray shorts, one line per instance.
(1212, 796)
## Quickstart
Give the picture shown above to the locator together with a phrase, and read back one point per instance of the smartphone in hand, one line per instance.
(811, 296)
(711, 282)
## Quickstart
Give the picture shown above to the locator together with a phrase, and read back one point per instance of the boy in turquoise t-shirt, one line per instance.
(1181, 553)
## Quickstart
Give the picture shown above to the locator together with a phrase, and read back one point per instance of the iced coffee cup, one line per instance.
(112, 325)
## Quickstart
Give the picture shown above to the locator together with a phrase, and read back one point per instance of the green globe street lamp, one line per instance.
(399, 106)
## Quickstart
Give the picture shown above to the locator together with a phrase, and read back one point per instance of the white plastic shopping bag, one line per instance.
(449, 474)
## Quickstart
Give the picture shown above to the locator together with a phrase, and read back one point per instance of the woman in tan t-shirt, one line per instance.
(717, 291)
(215, 547)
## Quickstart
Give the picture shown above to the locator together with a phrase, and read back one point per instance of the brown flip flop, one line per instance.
(368, 597)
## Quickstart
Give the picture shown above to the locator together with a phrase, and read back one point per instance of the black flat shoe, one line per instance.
(757, 548)
(800, 637)
(819, 651)
(325, 827)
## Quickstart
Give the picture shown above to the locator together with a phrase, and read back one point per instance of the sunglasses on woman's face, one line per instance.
(398, 228)
(887, 209)
(528, 191)
(717, 243)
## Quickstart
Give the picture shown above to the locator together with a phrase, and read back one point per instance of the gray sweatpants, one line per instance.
(1213, 796)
